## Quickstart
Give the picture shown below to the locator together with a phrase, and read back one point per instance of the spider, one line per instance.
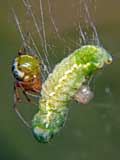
(26, 73)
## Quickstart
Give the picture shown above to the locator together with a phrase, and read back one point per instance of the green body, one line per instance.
(25, 66)
(61, 86)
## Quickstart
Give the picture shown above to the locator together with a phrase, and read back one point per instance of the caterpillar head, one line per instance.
(102, 57)
(93, 55)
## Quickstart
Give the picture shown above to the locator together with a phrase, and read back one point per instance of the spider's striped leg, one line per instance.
(16, 98)
(28, 99)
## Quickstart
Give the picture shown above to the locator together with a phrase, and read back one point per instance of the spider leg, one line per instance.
(32, 95)
(16, 97)
(26, 93)
(16, 93)
(28, 99)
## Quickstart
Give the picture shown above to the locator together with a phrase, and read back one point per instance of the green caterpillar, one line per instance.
(60, 87)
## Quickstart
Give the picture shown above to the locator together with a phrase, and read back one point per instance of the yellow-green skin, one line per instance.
(25, 66)
(61, 86)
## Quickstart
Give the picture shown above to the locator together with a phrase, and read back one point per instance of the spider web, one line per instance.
(31, 21)
(38, 21)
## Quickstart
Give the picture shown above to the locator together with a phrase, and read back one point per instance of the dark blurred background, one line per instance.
(92, 132)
